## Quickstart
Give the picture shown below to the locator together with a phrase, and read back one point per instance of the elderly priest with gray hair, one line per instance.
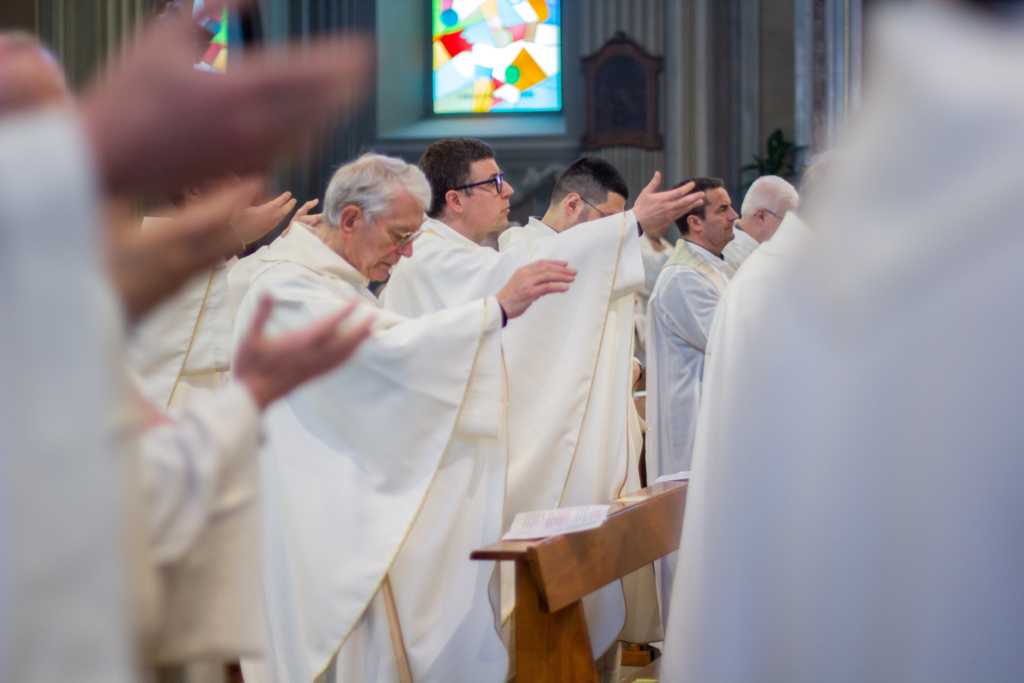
(765, 205)
(374, 491)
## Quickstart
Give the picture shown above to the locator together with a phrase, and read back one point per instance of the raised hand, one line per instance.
(533, 281)
(655, 210)
(156, 124)
(304, 216)
(271, 367)
(254, 222)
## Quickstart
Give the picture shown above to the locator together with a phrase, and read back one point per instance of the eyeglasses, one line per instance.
(774, 214)
(407, 237)
(498, 180)
(603, 214)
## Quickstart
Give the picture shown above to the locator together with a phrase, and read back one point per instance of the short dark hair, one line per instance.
(699, 185)
(446, 163)
(591, 178)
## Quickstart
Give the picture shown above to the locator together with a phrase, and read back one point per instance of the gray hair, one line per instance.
(372, 182)
(769, 192)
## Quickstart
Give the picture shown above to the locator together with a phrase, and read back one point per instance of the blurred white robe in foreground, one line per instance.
(388, 467)
(200, 479)
(551, 353)
(64, 588)
(864, 522)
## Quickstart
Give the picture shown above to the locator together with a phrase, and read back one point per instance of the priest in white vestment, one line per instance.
(589, 189)
(552, 352)
(679, 319)
(382, 477)
(864, 524)
(766, 203)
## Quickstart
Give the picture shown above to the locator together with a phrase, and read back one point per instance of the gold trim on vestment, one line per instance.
(401, 656)
(682, 255)
(195, 330)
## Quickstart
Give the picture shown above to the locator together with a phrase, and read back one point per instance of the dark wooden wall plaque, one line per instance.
(621, 96)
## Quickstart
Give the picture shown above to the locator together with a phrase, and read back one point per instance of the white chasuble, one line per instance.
(568, 379)
(535, 228)
(184, 345)
(865, 523)
(64, 573)
(607, 460)
(391, 466)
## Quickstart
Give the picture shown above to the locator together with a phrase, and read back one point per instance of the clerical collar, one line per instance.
(302, 246)
(705, 249)
(536, 221)
(446, 232)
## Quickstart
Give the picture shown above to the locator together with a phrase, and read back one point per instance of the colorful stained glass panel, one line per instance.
(215, 58)
(497, 55)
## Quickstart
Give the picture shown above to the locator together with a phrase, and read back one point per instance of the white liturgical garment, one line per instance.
(534, 228)
(389, 467)
(64, 596)
(739, 248)
(200, 477)
(185, 344)
(864, 522)
(610, 436)
(679, 318)
(551, 354)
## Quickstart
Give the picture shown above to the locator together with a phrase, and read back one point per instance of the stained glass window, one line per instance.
(497, 56)
(215, 57)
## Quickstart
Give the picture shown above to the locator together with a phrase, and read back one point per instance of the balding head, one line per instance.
(30, 77)
(766, 202)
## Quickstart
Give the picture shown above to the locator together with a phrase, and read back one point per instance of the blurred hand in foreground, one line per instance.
(157, 124)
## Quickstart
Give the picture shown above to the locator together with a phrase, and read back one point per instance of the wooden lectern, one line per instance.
(553, 574)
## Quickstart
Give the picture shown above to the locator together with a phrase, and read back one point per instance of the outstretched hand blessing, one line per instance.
(655, 210)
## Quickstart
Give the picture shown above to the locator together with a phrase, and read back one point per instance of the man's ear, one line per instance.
(192, 193)
(347, 220)
(694, 222)
(572, 203)
(453, 200)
